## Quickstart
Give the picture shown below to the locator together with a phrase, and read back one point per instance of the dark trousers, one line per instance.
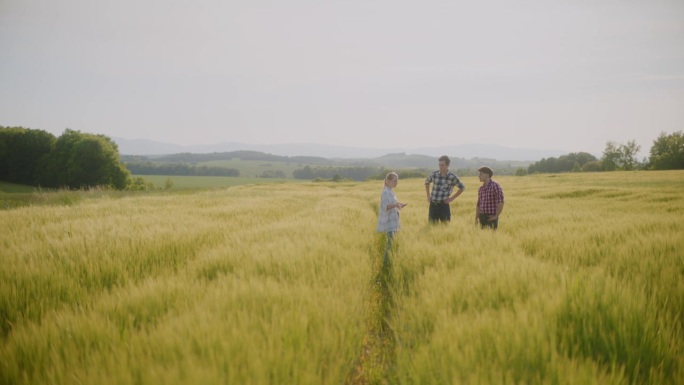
(485, 222)
(439, 212)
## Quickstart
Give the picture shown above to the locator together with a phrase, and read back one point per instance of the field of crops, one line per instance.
(284, 283)
(183, 182)
(255, 168)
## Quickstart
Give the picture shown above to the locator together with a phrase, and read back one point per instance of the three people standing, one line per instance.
(490, 199)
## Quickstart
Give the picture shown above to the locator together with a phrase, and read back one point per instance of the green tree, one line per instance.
(620, 156)
(140, 184)
(304, 173)
(94, 161)
(84, 160)
(21, 151)
(54, 166)
(520, 172)
(583, 158)
(628, 159)
(611, 156)
(594, 166)
(576, 167)
(667, 152)
(572, 162)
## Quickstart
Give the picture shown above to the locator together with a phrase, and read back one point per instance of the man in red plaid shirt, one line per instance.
(490, 200)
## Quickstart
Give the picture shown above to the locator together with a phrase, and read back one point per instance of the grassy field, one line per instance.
(182, 182)
(11, 188)
(583, 283)
(254, 168)
(16, 195)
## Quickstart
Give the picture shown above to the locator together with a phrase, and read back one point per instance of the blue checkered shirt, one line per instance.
(442, 186)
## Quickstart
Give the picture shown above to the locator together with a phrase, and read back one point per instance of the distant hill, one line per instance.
(466, 151)
(303, 167)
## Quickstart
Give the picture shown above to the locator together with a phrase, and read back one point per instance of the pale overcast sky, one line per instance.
(568, 75)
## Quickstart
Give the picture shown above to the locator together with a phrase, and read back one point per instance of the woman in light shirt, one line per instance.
(388, 212)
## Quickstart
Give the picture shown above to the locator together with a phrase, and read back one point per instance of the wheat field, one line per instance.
(583, 283)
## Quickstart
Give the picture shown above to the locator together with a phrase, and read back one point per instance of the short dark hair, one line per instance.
(486, 170)
(445, 159)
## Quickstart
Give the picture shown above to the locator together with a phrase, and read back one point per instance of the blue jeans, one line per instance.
(388, 247)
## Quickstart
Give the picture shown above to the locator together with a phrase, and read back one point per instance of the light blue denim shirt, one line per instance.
(388, 220)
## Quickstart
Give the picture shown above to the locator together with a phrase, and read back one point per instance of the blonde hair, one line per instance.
(392, 176)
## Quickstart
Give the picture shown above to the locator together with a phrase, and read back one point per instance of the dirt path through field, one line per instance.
(377, 357)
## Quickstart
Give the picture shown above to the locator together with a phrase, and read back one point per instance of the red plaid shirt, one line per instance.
(488, 197)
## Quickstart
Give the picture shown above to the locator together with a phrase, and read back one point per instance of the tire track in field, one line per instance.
(377, 357)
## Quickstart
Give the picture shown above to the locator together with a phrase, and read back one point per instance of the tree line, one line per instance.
(667, 153)
(357, 173)
(329, 172)
(150, 168)
(74, 160)
(81, 160)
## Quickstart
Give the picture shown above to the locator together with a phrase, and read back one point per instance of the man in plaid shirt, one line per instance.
(490, 200)
(443, 182)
